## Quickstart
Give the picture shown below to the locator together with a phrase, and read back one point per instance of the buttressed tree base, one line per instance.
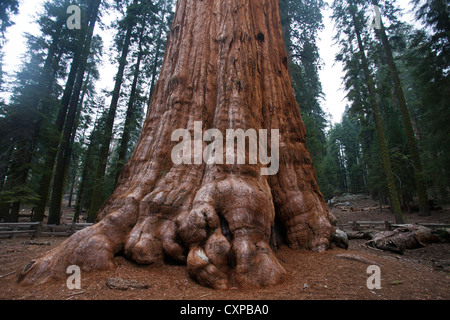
(226, 66)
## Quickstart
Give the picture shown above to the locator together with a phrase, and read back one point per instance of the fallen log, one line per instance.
(123, 285)
(403, 238)
(362, 234)
(340, 239)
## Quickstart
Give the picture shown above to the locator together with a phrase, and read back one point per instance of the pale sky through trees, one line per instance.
(334, 102)
(332, 73)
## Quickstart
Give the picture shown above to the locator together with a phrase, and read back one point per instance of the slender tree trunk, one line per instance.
(15, 211)
(26, 148)
(64, 152)
(44, 184)
(394, 199)
(130, 111)
(4, 211)
(19, 172)
(407, 123)
(78, 204)
(159, 44)
(72, 140)
(5, 164)
(98, 192)
(71, 192)
(225, 66)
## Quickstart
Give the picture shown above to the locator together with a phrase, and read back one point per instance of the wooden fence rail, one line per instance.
(36, 229)
(384, 225)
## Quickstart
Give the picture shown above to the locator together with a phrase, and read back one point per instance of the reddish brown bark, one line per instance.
(225, 65)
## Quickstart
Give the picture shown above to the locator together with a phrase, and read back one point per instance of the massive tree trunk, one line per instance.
(226, 66)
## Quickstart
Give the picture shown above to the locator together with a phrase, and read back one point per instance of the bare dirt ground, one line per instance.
(418, 274)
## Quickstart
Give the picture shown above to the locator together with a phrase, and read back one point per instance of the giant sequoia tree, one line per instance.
(226, 67)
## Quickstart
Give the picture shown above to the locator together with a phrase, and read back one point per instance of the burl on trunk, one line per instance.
(226, 67)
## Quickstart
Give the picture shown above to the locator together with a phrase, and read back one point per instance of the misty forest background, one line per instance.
(61, 135)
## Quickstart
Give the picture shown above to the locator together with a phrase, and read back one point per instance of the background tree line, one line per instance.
(61, 135)
(393, 140)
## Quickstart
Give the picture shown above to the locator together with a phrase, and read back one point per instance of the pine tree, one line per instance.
(334, 164)
(164, 22)
(301, 22)
(33, 100)
(7, 8)
(90, 160)
(64, 152)
(428, 60)
(435, 14)
(143, 40)
(349, 20)
(352, 150)
(127, 26)
(406, 119)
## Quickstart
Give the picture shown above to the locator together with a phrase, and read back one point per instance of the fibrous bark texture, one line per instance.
(226, 66)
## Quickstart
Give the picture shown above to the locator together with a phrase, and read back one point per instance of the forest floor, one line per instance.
(422, 273)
